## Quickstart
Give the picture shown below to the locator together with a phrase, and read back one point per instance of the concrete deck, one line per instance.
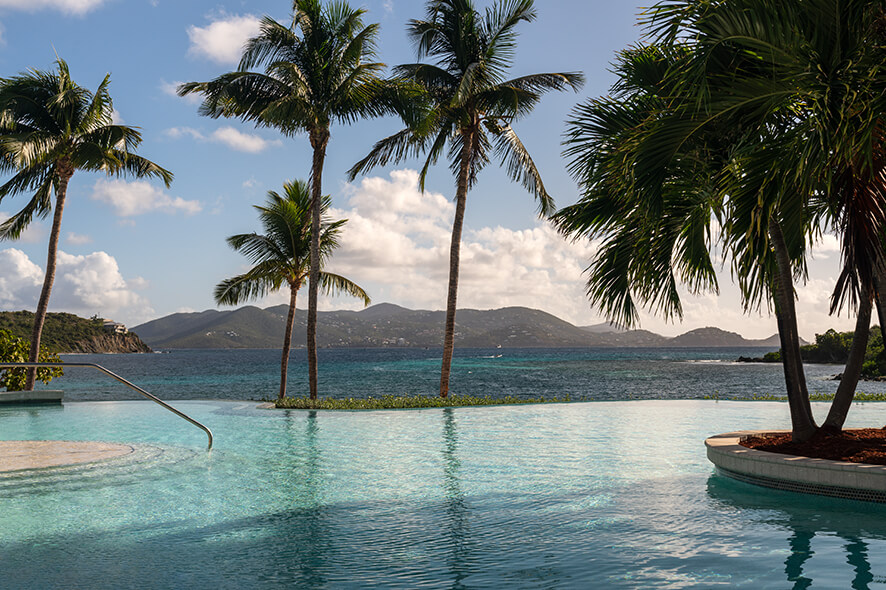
(16, 455)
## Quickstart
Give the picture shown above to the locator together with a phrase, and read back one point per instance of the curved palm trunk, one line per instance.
(65, 173)
(454, 257)
(319, 140)
(287, 341)
(851, 374)
(802, 422)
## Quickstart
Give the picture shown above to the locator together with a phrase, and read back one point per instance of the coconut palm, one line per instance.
(810, 73)
(470, 109)
(50, 127)
(317, 71)
(282, 257)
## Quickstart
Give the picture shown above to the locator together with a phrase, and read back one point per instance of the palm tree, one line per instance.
(282, 257)
(810, 74)
(470, 108)
(316, 71)
(49, 128)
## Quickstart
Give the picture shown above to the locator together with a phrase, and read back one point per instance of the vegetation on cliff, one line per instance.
(65, 333)
(832, 347)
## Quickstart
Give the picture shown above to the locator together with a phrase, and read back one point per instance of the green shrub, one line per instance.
(15, 350)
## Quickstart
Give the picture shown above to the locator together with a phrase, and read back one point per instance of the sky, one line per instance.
(133, 250)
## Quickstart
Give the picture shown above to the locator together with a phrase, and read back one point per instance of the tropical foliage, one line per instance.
(50, 127)
(787, 97)
(469, 109)
(16, 350)
(281, 257)
(318, 70)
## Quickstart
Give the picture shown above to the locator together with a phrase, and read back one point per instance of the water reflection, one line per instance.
(805, 517)
(455, 506)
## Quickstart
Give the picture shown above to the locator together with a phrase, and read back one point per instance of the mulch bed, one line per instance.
(865, 445)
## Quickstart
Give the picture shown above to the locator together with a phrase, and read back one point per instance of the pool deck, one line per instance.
(17, 455)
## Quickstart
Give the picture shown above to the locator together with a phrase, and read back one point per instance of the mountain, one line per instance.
(386, 324)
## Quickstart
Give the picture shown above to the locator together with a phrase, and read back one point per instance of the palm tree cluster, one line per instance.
(300, 78)
(748, 127)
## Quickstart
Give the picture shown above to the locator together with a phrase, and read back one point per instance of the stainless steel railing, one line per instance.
(151, 397)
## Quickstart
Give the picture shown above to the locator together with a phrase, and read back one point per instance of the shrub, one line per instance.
(15, 350)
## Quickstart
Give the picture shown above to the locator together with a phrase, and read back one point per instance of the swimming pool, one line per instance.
(584, 495)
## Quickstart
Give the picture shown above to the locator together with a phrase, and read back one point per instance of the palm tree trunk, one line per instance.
(880, 295)
(65, 171)
(454, 257)
(287, 341)
(802, 422)
(319, 140)
(846, 391)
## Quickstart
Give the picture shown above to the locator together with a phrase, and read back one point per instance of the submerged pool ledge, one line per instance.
(807, 475)
(22, 455)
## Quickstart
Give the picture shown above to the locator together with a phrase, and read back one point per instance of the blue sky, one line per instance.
(134, 251)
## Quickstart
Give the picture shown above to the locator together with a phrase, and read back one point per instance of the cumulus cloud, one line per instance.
(234, 139)
(136, 198)
(77, 7)
(85, 285)
(116, 118)
(20, 280)
(222, 40)
(77, 239)
(396, 244)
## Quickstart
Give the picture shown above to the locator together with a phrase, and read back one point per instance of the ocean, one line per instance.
(580, 373)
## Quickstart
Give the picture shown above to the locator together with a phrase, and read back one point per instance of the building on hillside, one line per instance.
(112, 327)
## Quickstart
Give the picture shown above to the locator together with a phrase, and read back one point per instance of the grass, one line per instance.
(814, 397)
(390, 402)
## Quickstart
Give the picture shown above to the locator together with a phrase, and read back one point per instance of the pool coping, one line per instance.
(24, 455)
(808, 475)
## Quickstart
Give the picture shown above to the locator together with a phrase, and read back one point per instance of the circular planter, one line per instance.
(807, 475)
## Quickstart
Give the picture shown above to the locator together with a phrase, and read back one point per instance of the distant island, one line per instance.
(68, 333)
(388, 325)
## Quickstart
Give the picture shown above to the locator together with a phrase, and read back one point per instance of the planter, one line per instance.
(839, 479)
(38, 396)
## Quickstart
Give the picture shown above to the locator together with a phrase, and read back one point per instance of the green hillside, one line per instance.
(66, 332)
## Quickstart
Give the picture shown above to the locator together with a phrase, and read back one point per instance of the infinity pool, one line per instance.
(584, 495)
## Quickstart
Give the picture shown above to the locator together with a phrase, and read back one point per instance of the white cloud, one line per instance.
(388, 5)
(826, 247)
(136, 198)
(171, 89)
(20, 280)
(84, 285)
(35, 233)
(78, 239)
(116, 118)
(234, 139)
(396, 244)
(67, 6)
(222, 40)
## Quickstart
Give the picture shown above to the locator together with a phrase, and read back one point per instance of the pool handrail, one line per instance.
(148, 395)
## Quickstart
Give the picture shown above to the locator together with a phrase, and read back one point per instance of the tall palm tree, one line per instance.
(470, 108)
(317, 70)
(282, 257)
(49, 128)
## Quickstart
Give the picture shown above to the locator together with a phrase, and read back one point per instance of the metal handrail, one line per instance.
(151, 397)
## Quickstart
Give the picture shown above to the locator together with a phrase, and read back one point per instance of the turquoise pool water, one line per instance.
(583, 495)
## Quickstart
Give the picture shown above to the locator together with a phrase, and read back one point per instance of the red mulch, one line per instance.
(866, 445)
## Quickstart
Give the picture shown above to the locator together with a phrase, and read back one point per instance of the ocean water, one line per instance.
(588, 374)
(579, 495)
